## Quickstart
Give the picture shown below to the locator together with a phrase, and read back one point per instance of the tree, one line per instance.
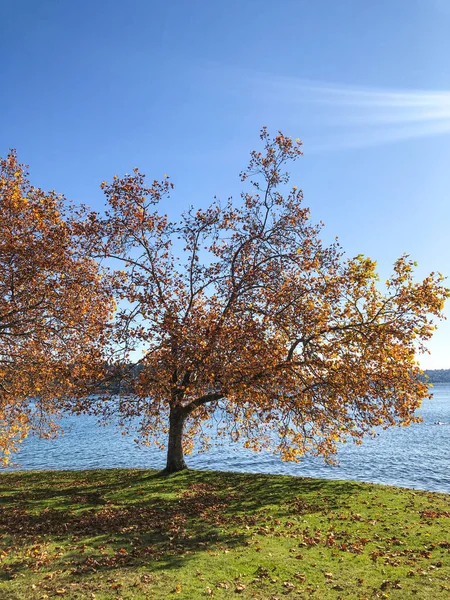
(54, 310)
(291, 340)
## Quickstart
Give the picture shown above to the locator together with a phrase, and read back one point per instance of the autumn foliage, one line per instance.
(238, 311)
(54, 310)
(241, 307)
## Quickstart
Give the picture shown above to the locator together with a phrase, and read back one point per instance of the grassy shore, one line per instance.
(133, 534)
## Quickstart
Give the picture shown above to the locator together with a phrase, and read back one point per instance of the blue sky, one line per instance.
(95, 88)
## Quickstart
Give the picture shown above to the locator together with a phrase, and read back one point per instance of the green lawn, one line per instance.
(133, 534)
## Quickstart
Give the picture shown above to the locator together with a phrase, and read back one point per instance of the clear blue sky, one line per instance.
(94, 88)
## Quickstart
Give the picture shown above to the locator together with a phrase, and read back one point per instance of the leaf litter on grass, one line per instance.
(132, 535)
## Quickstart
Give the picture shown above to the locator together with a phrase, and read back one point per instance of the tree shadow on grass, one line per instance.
(63, 489)
(132, 518)
(60, 487)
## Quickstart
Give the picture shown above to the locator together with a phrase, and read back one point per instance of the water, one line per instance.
(416, 456)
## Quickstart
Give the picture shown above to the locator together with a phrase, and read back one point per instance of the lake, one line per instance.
(416, 456)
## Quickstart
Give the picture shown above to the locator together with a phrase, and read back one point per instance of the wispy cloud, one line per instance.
(357, 116)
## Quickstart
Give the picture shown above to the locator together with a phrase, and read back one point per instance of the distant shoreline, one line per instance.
(438, 375)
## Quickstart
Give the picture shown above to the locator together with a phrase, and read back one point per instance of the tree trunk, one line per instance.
(175, 458)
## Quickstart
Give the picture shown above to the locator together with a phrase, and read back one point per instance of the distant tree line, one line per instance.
(438, 375)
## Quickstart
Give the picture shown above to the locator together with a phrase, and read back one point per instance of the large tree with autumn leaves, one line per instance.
(241, 307)
(55, 310)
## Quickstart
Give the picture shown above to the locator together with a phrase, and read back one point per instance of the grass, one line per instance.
(128, 534)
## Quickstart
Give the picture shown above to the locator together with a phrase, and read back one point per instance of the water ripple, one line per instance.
(416, 456)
